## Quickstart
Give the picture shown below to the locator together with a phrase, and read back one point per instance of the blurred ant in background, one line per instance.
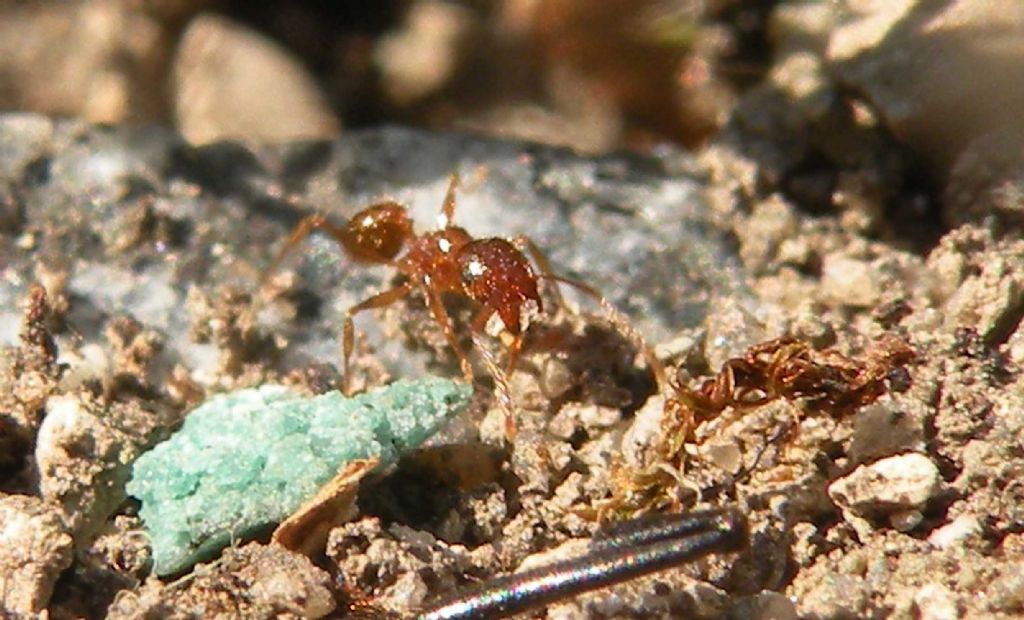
(493, 272)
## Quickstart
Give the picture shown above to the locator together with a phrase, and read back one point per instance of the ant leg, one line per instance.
(441, 316)
(298, 235)
(379, 300)
(454, 181)
(479, 324)
(448, 207)
(623, 324)
(513, 354)
(524, 243)
(500, 379)
(504, 391)
(477, 327)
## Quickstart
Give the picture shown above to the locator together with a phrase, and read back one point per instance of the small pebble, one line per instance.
(905, 520)
(888, 486)
(955, 532)
(838, 596)
(881, 430)
(766, 605)
(936, 602)
(1006, 592)
(851, 282)
(725, 455)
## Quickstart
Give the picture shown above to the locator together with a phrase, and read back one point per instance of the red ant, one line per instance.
(493, 272)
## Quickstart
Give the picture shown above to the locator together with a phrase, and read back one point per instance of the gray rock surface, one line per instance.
(136, 219)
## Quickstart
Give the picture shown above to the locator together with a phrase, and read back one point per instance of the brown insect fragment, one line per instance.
(826, 381)
(790, 369)
(307, 529)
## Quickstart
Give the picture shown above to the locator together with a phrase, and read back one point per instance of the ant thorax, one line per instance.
(433, 258)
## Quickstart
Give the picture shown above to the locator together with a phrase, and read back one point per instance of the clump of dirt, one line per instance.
(29, 375)
(253, 581)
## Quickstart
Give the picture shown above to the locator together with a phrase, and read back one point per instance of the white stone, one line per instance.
(890, 485)
(906, 520)
(725, 455)
(643, 433)
(64, 415)
(936, 602)
(955, 532)
(850, 281)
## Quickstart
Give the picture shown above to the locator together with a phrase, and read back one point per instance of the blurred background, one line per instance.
(909, 107)
(594, 75)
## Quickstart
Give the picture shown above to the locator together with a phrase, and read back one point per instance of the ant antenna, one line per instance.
(622, 323)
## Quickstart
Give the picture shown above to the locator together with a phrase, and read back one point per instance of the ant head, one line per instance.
(378, 233)
(499, 277)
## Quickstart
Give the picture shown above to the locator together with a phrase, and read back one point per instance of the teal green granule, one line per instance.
(242, 462)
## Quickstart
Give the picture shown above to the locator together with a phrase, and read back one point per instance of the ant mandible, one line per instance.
(493, 272)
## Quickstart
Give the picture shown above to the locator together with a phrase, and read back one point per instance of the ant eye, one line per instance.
(445, 245)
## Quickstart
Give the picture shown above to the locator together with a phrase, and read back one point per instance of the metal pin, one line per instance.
(654, 528)
(623, 552)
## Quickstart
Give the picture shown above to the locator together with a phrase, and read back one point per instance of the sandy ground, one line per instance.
(130, 264)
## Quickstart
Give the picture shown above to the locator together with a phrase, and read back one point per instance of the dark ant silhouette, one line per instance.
(493, 272)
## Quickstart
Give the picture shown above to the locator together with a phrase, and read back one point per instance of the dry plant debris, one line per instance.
(785, 368)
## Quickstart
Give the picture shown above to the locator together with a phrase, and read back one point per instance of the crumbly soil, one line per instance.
(474, 505)
(840, 240)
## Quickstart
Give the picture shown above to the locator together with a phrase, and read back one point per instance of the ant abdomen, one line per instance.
(499, 277)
